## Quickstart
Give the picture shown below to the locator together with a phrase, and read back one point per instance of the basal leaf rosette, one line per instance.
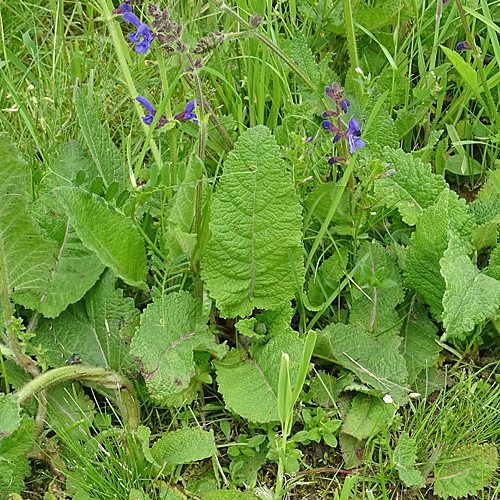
(256, 229)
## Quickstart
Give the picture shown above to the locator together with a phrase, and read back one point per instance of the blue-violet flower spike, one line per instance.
(142, 32)
(353, 135)
(335, 159)
(344, 105)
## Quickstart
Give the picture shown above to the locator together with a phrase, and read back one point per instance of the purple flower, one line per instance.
(344, 105)
(142, 32)
(148, 119)
(353, 136)
(463, 46)
(309, 139)
(122, 8)
(188, 113)
(390, 172)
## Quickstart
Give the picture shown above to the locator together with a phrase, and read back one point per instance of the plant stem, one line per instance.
(117, 36)
(479, 63)
(94, 374)
(351, 40)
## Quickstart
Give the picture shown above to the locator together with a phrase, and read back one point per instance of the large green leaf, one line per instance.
(375, 304)
(376, 360)
(110, 235)
(171, 329)
(256, 230)
(227, 495)
(411, 189)
(27, 258)
(106, 156)
(419, 346)
(14, 466)
(75, 269)
(303, 57)
(90, 329)
(250, 386)
(471, 297)
(428, 244)
(467, 471)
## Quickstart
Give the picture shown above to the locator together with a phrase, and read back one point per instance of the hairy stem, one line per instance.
(351, 40)
(94, 374)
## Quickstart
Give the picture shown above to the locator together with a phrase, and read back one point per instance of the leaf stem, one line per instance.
(351, 40)
(93, 374)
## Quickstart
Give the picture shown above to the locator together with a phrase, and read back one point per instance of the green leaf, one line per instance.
(468, 471)
(90, 329)
(376, 360)
(14, 466)
(171, 329)
(471, 297)
(27, 256)
(227, 495)
(326, 388)
(71, 165)
(366, 416)
(184, 446)
(327, 279)
(466, 71)
(352, 450)
(250, 387)
(256, 221)
(419, 346)
(9, 410)
(110, 235)
(382, 131)
(404, 458)
(303, 57)
(75, 269)
(375, 308)
(428, 244)
(412, 188)
(106, 156)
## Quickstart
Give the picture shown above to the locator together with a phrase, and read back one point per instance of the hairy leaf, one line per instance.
(27, 258)
(75, 268)
(256, 230)
(374, 15)
(9, 410)
(326, 388)
(468, 471)
(419, 346)
(404, 458)
(303, 57)
(428, 244)
(471, 297)
(106, 156)
(376, 360)
(375, 305)
(411, 189)
(382, 132)
(250, 386)
(366, 416)
(14, 466)
(184, 446)
(110, 235)
(352, 450)
(71, 160)
(171, 329)
(90, 329)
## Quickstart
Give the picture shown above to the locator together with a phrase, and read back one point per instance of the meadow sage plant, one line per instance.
(353, 133)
